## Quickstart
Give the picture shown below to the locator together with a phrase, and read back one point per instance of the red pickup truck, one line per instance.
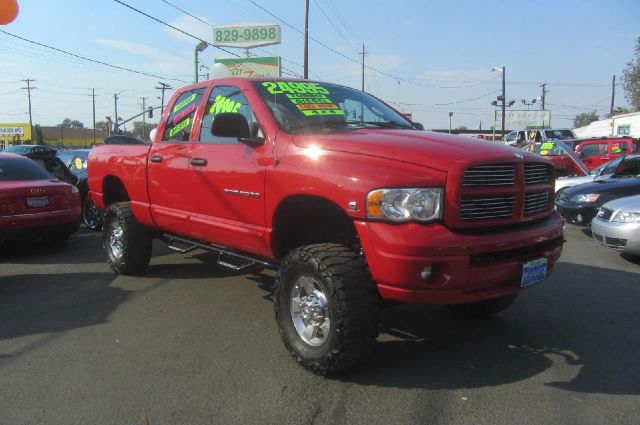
(352, 204)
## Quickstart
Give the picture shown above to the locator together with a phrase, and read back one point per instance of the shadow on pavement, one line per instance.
(44, 303)
(587, 329)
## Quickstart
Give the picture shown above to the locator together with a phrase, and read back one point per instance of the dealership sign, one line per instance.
(246, 35)
(523, 119)
(11, 131)
(252, 67)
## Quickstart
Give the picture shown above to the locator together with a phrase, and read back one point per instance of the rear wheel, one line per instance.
(126, 242)
(484, 308)
(326, 306)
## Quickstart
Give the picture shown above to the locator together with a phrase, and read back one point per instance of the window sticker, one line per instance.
(184, 103)
(311, 99)
(224, 104)
(184, 113)
(180, 127)
(78, 163)
(547, 145)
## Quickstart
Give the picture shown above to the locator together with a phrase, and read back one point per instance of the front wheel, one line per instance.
(91, 215)
(484, 308)
(326, 307)
(126, 242)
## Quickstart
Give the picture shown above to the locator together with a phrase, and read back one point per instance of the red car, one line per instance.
(595, 152)
(563, 165)
(33, 203)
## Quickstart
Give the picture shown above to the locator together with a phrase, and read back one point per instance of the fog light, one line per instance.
(425, 274)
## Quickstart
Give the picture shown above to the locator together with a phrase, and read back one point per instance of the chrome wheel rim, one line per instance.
(116, 242)
(310, 311)
(91, 215)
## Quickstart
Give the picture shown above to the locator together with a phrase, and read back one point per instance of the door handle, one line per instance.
(200, 162)
(155, 158)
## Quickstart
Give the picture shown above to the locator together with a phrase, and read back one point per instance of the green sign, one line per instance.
(246, 36)
(252, 67)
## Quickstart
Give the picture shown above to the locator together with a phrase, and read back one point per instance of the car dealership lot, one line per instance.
(189, 343)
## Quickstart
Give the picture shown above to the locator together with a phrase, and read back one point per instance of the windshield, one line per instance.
(308, 107)
(19, 149)
(547, 149)
(21, 169)
(559, 134)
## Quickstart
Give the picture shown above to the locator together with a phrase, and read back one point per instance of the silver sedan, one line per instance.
(617, 225)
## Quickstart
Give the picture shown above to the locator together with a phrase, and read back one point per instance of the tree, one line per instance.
(631, 79)
(585, 118)
(463, 127)
(68, 123)
(137, 130)
(618, 110)
(102, 126)
(38, 139)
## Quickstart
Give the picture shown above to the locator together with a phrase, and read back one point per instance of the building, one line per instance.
(14, 134)
(71, 137)
(619, 125)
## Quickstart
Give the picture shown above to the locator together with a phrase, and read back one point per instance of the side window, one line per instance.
(634, 147)
(227, 99)
(594, 149)
(180, 120)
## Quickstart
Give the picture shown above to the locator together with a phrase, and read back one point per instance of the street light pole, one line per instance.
(504, 100)
(306, 41)
(199, 48)
(115, 101)
(450, 115)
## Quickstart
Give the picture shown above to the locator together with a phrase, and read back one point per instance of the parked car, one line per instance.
(595, 152)
(562, 163)
(76, 161)
(35, 204)
(605, 171)
(617, 225)
(31, 149)
(579, 204)
(520, 138)
(53, 165)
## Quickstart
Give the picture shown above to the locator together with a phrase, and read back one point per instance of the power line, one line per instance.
(335, 27)
(88, 59)
(468, 100)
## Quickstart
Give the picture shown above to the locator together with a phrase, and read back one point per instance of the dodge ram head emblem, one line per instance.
(519, 155)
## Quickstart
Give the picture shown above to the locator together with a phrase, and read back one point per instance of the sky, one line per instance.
(428, 58)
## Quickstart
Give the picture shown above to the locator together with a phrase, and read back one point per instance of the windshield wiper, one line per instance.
(390, 124)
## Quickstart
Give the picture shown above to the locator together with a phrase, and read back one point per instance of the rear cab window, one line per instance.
(183, 111)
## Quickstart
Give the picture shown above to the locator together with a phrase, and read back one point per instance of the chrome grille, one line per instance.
(487, 208)
(605, 214)
(536, 202)
(535, 173)
(489, 175)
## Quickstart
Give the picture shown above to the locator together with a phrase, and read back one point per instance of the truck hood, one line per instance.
(424, 148)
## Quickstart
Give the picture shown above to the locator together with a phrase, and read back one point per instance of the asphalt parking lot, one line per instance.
(189, 343)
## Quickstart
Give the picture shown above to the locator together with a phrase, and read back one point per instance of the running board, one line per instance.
(248, 260)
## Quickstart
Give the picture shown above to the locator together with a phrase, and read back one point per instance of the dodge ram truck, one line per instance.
(354, 206)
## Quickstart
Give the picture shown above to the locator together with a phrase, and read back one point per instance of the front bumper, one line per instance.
(623, 237)
(574, 213)
(466, 266)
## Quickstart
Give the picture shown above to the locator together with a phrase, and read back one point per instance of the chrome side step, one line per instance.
(246, 260)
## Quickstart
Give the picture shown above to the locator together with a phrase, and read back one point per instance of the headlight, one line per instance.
(421, 204)
(586, 197)
(627, 217)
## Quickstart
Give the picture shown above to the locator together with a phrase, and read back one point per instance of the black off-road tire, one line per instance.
(352, 304)
(484, 308)
(135, 247)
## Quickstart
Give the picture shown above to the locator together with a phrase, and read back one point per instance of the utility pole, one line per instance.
(363, 53)
(163, 87)
(613, 95)
(306, 41)
(28, 89)
(544, 92)
(144, 123)
(504, 99)
(115, 101)
(93, 95)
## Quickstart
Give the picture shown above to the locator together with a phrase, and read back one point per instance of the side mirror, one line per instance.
(233, 124)
(418, 125)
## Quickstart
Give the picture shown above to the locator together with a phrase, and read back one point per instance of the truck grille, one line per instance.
(535, 173)
(605, 214)
(490, 175)
(536, 202)
(483, 208)
(501, 193)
